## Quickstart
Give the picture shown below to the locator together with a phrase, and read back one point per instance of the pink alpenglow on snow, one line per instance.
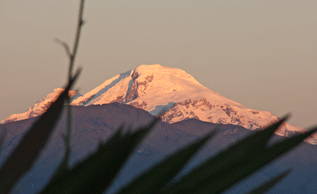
(173, 92)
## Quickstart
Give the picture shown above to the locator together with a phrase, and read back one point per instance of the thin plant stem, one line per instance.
(78, 31)
(72, 57)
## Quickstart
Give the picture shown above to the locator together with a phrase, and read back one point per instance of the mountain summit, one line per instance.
(158, 89)
(177, 96)
(152, 88)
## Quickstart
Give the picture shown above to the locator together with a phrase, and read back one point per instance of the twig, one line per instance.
(79, 26)
(70, 76)
(65, 45)
(72, 56)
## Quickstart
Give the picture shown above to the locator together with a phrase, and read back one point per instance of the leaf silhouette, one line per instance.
(95, 173)
(158, 176)
(226, 180)
(263, 188)
(226, 160)
(33, 142)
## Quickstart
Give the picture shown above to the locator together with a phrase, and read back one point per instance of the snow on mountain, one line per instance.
(174, 93)
(158, 89)
(39, 107)
(203, 110)
(151, 87)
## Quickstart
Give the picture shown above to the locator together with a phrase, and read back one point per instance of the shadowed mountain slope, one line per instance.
(95, 123)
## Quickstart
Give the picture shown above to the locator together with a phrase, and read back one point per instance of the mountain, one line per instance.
(39, 107)
(157, 89)
(95, 123)
(175, 95)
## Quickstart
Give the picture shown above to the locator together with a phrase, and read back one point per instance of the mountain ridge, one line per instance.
(39, 107)
(178, 96)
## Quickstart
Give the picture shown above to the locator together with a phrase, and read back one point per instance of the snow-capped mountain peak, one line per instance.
(176, 94)
(149, 86)
(158, 89)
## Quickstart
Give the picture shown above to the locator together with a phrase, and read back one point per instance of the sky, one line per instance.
(262, 54)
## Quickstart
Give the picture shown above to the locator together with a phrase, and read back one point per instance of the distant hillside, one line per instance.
(96, 122)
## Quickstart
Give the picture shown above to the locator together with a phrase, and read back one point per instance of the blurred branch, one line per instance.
(78, 31)
(65, 45)
(72, 56)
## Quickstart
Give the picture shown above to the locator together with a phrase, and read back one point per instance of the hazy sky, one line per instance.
(262, 54)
